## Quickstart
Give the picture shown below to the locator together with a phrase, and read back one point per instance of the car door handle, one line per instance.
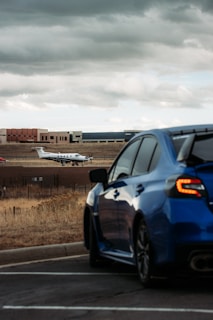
(139, 189)
(116, 194)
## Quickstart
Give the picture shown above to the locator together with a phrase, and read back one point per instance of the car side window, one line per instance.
(155, 158)
(123, 165)
(147, 156)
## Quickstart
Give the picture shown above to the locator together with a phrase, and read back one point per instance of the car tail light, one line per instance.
(188, 186)
(184, 186)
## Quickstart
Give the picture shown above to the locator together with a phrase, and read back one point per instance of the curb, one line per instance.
(41, 252)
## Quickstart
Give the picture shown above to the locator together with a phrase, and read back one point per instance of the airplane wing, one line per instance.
(63, 161)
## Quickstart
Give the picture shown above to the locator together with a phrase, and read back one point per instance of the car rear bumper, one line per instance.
(196, 257)
(185, 235)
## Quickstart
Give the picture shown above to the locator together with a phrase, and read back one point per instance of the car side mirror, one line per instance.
(99, 175)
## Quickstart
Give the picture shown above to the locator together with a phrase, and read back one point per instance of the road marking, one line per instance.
(66, 274)
(120, 309)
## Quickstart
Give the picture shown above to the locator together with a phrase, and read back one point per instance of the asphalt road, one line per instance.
(67, 288)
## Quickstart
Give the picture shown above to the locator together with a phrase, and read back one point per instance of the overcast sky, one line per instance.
(97, 65)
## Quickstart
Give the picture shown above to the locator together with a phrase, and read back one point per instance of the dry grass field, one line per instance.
(30, 222)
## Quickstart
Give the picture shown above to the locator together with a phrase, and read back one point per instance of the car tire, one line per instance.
(143, 255)
(93, 247)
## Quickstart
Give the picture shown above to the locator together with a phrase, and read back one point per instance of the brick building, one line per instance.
(24, 135)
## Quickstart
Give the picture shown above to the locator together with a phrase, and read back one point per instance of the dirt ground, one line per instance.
(24, 152)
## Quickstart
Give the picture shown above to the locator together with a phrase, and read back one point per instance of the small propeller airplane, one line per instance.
(63, 158)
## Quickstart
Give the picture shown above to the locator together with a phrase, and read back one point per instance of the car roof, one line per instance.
(182, 130)
(179, 131)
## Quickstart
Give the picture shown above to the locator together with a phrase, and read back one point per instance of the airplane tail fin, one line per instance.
(40, 151)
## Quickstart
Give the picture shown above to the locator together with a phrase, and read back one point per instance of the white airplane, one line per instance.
(63, 158)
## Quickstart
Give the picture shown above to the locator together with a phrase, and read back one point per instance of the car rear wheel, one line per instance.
(93, 247)
(143, 254)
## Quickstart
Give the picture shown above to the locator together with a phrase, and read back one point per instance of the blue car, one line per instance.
(154, 207)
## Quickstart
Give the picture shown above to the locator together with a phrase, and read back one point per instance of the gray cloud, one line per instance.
(53, 12)
(71, 52)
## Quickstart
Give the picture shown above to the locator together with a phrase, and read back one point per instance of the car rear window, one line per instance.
(201, 150)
